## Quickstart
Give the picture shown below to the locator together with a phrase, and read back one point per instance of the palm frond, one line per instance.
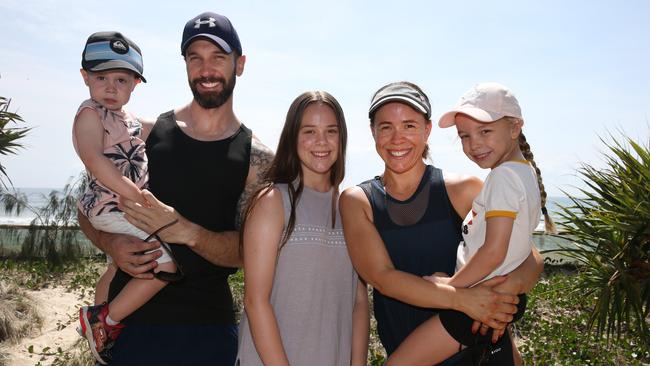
(9, 136)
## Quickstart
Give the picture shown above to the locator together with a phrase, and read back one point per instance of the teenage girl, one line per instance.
(303, 301)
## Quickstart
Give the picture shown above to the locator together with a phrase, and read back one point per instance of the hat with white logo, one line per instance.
(485, 102)
(404, 92)
(213, 27)
(111, 50)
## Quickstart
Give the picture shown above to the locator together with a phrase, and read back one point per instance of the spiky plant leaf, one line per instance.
(610, 228)
(9, 136)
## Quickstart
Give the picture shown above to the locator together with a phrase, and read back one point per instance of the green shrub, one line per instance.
(555, 328)
(611, 232)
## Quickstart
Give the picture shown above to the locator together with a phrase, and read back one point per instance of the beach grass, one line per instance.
(555, 328)
(20, 319)
(553, 332)
(18, 315)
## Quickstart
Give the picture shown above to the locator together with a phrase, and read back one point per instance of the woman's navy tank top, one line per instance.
(421, 235)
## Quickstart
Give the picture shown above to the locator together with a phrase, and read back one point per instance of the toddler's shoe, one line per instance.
(100, 335)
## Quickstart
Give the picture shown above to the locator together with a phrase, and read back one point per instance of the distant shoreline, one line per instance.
(38, 197)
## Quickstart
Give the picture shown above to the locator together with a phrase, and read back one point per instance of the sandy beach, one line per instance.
(59, 309)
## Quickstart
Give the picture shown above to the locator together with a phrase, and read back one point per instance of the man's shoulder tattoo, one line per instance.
(260, 162)
(261, 158)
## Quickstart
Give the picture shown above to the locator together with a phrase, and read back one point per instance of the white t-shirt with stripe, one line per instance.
(510, 190)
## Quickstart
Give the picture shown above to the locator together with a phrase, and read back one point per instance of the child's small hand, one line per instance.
(440, 278)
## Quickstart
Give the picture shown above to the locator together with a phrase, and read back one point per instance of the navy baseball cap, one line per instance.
(213, 27)
(111, 50)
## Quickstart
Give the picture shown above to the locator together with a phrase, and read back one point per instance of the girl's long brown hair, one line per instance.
(286, 166)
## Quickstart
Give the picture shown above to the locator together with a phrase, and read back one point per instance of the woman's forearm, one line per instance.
(266, 333)
(360, 326)
(412, 289)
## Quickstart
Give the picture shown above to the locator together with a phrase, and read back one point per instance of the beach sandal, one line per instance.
(163, 275)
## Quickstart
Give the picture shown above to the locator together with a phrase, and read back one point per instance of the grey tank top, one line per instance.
(313, 289)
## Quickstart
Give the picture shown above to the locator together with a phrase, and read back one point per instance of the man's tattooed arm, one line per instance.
(260, 162)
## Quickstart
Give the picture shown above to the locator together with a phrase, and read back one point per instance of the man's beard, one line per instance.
(213, 99)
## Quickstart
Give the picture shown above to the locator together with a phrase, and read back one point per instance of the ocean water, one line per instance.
(11, 233)
(14, 228)
(553, 205)
(36, 197)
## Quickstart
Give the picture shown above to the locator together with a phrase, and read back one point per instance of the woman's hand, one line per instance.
(486, 305)
(521, 280)
(483, 328)
(509, 286)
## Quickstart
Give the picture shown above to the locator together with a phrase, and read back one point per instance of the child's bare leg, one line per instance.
(429, 344)
(101, 291)
(136, 293)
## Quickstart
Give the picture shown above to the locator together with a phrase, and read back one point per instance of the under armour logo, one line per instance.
(210, 21)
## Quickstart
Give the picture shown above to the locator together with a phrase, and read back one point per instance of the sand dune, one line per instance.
(59, 309)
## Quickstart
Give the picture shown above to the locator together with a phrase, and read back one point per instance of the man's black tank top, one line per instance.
(203, 181)
(421, 235)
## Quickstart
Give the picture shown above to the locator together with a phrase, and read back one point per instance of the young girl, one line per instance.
(303, 300)
(110, 142)
(497, 232)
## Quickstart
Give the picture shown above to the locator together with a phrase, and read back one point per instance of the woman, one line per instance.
(303, 300)
(406, 224)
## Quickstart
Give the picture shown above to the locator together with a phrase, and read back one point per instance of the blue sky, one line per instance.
(578, 68)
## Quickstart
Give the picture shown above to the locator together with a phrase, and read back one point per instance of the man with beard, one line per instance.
(203, 164)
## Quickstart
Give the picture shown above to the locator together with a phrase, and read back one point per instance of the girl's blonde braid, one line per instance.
(525, 150)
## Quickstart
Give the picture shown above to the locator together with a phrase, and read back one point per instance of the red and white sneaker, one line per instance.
(100, 336)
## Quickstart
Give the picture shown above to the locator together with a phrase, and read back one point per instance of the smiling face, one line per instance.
(211, 73)
(318, 142)
(401, 135)
(112, 88)
(489, 144)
